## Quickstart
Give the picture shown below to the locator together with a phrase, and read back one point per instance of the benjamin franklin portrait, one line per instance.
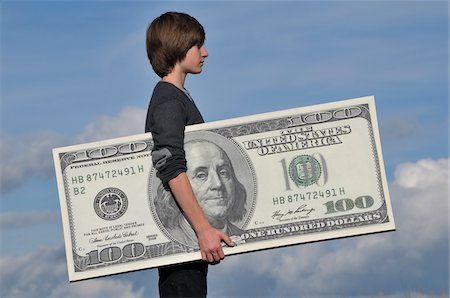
(220, 192)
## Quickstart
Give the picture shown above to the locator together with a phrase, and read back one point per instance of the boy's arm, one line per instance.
(169, 161)
(209, 238)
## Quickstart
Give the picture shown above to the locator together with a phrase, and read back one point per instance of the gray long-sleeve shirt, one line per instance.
(169, 112)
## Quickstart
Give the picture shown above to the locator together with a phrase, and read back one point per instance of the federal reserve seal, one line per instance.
(304, 170)
(110, 203)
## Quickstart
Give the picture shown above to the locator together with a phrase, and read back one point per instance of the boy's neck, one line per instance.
(176, 77)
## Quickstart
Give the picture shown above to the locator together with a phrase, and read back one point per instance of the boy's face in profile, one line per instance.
(193, 62)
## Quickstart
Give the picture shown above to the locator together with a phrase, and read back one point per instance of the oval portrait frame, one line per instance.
(242, 166)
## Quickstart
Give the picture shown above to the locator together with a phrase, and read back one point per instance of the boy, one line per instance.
(175, 49)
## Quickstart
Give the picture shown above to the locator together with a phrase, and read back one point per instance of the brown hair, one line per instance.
(169, 37)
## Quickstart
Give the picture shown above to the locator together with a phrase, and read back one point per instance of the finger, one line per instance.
(221, 254)
(204, 258)
(210, 258)
(227, 240)
(217, 256)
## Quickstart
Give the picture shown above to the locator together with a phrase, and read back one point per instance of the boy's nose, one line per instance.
(204, 52)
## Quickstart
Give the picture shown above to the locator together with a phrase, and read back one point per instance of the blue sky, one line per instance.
(77, 71)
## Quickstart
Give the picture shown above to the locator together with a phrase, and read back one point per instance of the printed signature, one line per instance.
(302, 210)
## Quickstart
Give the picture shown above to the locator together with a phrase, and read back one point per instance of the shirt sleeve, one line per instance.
(168, 155)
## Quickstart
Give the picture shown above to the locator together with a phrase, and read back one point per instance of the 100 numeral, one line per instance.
(114, 253)
(343, 205)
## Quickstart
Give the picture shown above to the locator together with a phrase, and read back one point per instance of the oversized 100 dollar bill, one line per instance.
(267, 180)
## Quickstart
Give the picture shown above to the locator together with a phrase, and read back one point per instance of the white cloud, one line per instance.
(129, 121)
(25, 156)
(423, 174)
(378, 264)
(97, 288)
(43, 273)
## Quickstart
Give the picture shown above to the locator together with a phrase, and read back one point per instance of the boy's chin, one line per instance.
(196, 71)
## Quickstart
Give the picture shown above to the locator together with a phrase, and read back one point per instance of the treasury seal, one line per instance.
(304, 170)
(110, 203)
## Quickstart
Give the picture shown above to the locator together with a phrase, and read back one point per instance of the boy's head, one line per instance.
(169, 37)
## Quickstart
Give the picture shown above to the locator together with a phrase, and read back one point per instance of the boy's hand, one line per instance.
(210, 240)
